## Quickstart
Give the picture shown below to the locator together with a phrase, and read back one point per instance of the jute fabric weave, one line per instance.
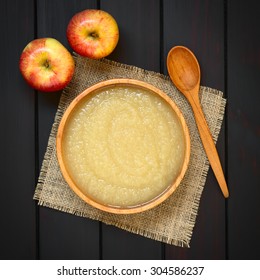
(171, 222)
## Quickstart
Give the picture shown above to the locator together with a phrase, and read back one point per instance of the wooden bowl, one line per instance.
(111, 208)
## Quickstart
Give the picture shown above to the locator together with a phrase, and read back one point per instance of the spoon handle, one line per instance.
(208, 143)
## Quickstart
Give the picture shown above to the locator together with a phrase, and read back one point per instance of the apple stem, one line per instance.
(46, 63)
(94, 35)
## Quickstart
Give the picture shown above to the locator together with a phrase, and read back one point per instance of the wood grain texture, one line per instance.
(57, 230)
(17, 168)
(243, 129)
(139, 27)
(184, 70)
(139, 45)
(201, 30)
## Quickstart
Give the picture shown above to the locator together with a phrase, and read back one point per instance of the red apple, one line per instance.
(93, 33)
(46, 65)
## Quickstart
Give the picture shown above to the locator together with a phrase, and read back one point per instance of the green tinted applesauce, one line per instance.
(123, 146)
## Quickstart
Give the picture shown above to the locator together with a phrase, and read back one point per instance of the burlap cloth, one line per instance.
(171, 222)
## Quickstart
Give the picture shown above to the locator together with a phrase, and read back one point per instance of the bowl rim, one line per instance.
(111, 208)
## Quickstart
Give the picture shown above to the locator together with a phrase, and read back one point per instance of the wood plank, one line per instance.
(139, 26)
(243, 129)
(199, 25)
(139, 45)
(17, 208)
(62, 236)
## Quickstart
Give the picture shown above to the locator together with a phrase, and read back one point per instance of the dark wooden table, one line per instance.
(225, 36)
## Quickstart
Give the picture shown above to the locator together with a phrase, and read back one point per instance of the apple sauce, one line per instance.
(123, 146)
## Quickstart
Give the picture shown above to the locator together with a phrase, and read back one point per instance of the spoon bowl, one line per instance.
(183, 68)
(184, 72)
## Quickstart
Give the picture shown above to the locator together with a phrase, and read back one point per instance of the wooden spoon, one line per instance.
(184, 72)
